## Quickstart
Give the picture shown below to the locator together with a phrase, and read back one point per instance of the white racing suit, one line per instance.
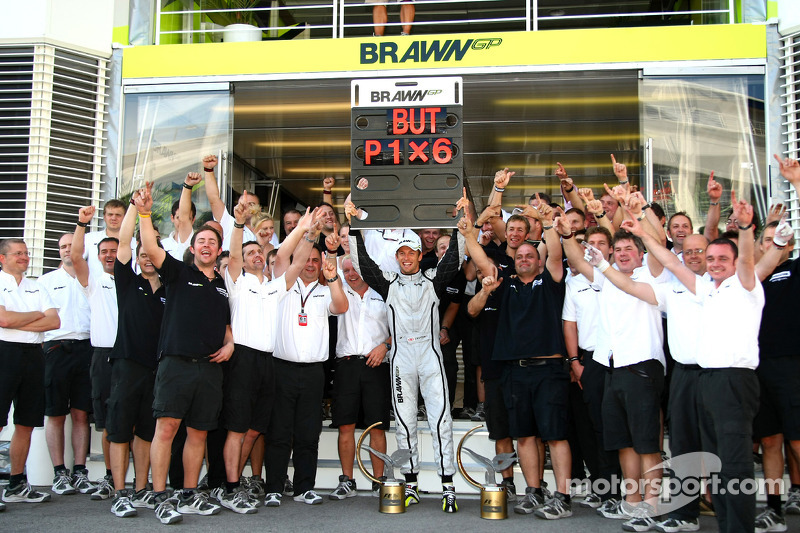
(416, 357)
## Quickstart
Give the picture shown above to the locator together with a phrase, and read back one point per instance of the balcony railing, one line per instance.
(197, 21)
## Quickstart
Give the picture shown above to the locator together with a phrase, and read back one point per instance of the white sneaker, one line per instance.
(24, 493)
(310, 497)
(273, 499)
(346, 489)
(197, 504)
(122, 507)
(62, 483)
(166, 513)
(238, 502)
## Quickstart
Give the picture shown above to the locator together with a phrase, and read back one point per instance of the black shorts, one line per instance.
(357, 386)
(189, 390)
(66, 376)
(537, 398)
(130, 405)
(100, 372)
(631, 407)
(779, 407)
(249, 390)
(495, 408)
(22, 382)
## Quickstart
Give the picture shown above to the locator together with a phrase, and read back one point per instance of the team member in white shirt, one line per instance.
(221, 214)
(301, 348)
(249, 390)
(629, 343)
(26, 311)
(100, 289)
(727, 351)
(113, 213)
(68, 356)
(362, 379)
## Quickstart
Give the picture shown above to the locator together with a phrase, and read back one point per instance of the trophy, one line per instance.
(393, 491)
(494, 501)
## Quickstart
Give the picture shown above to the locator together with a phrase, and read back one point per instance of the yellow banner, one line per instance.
(507, 49)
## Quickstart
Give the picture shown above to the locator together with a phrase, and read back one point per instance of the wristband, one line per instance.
(744, 228)
(565, 237)
(332, 279)
(647, 206)
(601, 215)
(641, 217)
(444, 328)
(145, 214)
(573, 359)
(237, 225)
(570, 189)
(602, 266)
(477, 226)
(83, 224)
(187, 186)
(624, 182)
(498, 189)
(208, 169)
(713, 203)
(309, 240)
(132, 202)
(326, 192)
(778, 246)
(546, 227)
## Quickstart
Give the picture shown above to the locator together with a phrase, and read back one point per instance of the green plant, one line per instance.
(232, 17)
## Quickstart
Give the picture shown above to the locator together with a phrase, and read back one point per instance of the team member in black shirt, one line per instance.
(536, 384)
(140, 301)
(195, 337)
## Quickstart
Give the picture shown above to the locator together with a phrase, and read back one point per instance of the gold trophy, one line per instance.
(494, 501)
(393, 491)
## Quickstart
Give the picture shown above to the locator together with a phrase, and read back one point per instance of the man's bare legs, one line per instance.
(161, 450)
(379, 18)
(407, 11)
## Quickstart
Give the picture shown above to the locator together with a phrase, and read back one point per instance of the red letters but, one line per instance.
(403, 120)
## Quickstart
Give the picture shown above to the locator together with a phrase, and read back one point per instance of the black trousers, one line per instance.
(593, 381)
(295, 425)
(684, 426)
(728, 400)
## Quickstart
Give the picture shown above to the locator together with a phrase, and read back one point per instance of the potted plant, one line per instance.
(239, 25)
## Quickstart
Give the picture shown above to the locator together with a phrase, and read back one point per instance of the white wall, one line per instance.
(81, 24)
(788, 16)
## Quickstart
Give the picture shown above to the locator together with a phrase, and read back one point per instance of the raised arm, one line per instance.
(212, 189)
(126, 235)
(790, 169)
(284, 256)
(236, 258)
(664, 256)
(501, 179)
(183, 217)
(595, 207)
(772, 257)
(144, 206)
(327, 190)
(449, 265)
(745, 265)
(714, 191)
(575, 252)
(568, 188)
(339, 302)
(554, 262)
(85, 215)
(309, 231)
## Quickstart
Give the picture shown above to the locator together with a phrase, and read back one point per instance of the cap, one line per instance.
(411, 240)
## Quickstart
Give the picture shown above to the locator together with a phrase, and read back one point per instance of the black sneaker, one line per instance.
(511, 490)
(769, 520)
(557, 507)
(24, 493)
(530, 502)
(345, 489)
(449, 504)
(288, 487)
(165, 510)
(62, 483)
(80, 480)
(121, 505)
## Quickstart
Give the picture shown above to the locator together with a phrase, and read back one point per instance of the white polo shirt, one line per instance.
(629, 328)
(582, 305)
(174, 247)
(102, 295)
(730, 324)
(309, 343)
(73, 307)
(684, 318)
(227, 222)
(364, 326)
(28, 296)
(254, 309)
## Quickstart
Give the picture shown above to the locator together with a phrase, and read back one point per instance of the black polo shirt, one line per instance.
(487, 331)
(529, 323)
(454, 293)
(505, 263)
(140, 314)
(196, 313)
(779, 317)
(429, 260)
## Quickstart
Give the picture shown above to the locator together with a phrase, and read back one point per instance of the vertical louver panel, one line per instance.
(791, 116)
(52, 127)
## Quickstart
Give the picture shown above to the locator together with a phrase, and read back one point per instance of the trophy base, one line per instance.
(392, 498)
(494, 503)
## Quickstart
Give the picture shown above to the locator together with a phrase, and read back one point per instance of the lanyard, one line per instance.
(304, 300)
